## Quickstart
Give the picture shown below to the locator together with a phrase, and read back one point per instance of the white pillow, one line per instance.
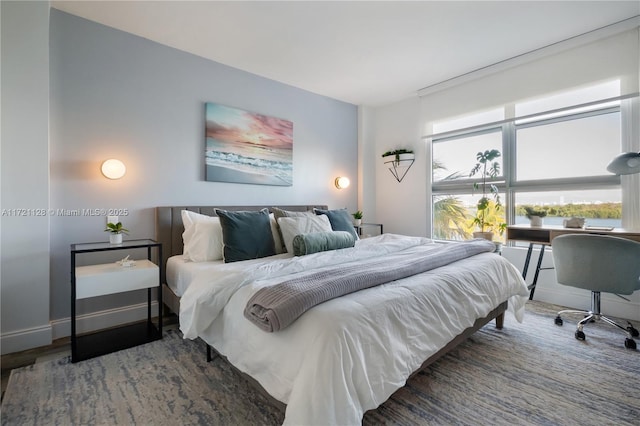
(202, 237)
(276, 234)
(292, 226)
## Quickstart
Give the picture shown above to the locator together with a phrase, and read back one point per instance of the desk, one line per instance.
(544, 236)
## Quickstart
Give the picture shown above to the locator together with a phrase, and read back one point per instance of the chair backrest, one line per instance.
(597, 262)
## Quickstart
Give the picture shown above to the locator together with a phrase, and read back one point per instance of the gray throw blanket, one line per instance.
(276, 307)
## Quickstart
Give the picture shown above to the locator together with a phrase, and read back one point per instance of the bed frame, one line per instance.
(169, 229)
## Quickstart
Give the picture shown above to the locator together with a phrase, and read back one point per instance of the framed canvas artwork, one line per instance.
(246, 147)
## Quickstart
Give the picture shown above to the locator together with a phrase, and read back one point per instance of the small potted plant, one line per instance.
(357, 218)
(115, 232)
(400, 154)
(488, 169)
(534, 216)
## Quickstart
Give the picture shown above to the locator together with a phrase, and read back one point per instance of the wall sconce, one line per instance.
(113, 169)
(342, 182)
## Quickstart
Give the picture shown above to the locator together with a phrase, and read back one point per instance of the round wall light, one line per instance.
(113, 169)
(342, 182)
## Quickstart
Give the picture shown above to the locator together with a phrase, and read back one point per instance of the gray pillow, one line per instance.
(340, 220)
(278, 213)
(246, 234)
(315, 242)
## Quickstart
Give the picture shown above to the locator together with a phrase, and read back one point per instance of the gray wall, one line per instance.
(114, 94)
(25, 175)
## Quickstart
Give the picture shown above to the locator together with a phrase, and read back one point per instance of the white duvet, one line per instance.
(347, 355)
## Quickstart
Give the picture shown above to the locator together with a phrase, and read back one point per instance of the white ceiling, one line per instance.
(365, 53)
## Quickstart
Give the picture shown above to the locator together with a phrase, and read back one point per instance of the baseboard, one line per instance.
(103, 319)
(21, 340)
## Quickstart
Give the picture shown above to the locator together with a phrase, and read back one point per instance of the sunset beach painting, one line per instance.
(246, 147)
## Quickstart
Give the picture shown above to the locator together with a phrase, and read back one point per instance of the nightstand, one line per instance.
(364, 225)
(110, 278)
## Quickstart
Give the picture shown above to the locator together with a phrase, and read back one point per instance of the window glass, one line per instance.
(566, 149)
(454, 158)
(602, 207)
(453, 216)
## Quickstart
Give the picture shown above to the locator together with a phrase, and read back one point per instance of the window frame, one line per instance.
(507, 183)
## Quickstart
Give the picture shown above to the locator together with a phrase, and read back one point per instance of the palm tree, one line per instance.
(450, 217)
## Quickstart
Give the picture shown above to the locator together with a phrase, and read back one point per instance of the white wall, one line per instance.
(24, 224)
(405, 207)
(400, 206)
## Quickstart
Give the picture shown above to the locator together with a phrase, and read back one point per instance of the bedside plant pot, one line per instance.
(115, 238)
(407, 156)
(535, 221)
(485, 235)
(357, 222)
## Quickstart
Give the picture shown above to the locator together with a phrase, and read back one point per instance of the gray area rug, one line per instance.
(534, 373)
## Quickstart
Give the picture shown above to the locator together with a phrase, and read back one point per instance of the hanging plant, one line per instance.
(396, 153)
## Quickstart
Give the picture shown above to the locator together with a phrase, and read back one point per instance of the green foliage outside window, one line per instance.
(590, 211)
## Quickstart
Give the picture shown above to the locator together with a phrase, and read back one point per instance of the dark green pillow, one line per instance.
(246, 234)
(340, 220)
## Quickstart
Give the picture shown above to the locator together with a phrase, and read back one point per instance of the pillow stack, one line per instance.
(234, 236)
(292, 226)
(295, 224)
(203, 236)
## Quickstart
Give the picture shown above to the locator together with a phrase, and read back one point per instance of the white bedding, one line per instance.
(180, 272)
(347, 355)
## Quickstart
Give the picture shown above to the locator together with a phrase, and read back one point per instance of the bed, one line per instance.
(349, 354)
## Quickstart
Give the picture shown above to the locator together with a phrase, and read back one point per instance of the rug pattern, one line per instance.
(534, 373)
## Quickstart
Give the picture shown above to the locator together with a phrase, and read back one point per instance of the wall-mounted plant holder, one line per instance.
(399, 162)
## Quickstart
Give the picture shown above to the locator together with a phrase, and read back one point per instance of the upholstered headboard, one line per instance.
(169, 227)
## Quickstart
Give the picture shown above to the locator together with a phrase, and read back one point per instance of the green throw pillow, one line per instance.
(315, 242)
(246, 234)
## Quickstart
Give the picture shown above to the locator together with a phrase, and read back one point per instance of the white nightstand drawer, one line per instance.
(98, 280)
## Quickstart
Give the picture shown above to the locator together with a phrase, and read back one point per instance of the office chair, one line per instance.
(597, 263)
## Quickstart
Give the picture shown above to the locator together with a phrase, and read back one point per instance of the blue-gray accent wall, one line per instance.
(117, 95)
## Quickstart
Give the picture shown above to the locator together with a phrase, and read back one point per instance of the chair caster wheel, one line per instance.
(580, 335)
(629, 343)
(632, 330)
(558, 320)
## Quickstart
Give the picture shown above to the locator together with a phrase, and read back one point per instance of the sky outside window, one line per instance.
(566, 149)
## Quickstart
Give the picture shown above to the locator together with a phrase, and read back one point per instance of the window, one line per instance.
(574, 146)
(453, 215)
(592, 204)
(555, 162)
(454, 161)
